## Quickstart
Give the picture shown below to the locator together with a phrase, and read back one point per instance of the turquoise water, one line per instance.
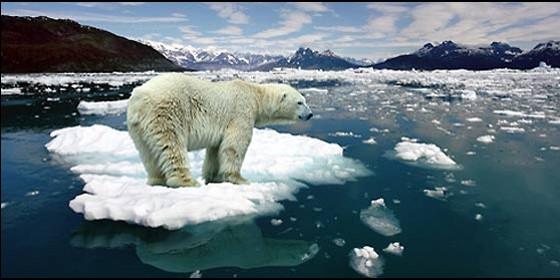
(515, 179)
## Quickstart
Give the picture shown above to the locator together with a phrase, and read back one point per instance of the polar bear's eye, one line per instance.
(300, 103)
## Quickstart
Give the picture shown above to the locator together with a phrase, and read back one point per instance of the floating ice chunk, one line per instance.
(554, 148)
(380, 218)
(394, 248)
(3, 205)
(345, 134)
(470, 153)
(339, 242)
(276, 222)
(108, 163)
(468, 183)
(103, 107)
(32, 193)
(468, 94)
(314, 90)
(474, 119)
(486, 139)
(555, 121)
(512, 129)
(478, 217)
(370, 141)
(481, 205)
(196, 274)
(11, 91)
(437, 193)
(510, 113)
(366, 261)
(423, 155)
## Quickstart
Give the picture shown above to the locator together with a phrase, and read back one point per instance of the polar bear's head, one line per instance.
(287, 104)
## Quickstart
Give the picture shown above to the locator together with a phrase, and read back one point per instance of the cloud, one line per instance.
(230, 11)
(343, 29)
(230, 30)
(292, 22)
(188, 30)
(79, 16)
(178, 15)
(315, 7)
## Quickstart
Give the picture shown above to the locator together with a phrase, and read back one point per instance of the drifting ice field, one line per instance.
(458, 167)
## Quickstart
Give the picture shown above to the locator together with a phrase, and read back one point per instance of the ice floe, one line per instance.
(103, 107)
(115, 187)
(370, 141)
(276, 222)
(422, 155)
(366, 261)
(486, 139)
(11, 91)
(394, 248)
(474, 119)
(380, 218)
(437, 193)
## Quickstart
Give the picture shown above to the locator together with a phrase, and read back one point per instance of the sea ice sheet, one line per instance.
(276, 163)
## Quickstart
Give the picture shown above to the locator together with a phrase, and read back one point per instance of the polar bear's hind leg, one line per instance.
(170, 144)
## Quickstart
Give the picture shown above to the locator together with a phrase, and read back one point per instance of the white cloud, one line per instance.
(230, 11)
(131, 3)
(178, 15)
(343, 29)
(315, 7)
(188, 30)
(292, 22)
(230, 30)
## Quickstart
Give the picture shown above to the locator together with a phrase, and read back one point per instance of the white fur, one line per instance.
(172, 114)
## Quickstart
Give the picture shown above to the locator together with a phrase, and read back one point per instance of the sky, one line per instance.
(360, 30)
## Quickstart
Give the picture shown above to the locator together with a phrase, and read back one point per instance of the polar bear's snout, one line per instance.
(305, 113)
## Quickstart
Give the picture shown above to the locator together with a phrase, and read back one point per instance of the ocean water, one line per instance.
(498, 214)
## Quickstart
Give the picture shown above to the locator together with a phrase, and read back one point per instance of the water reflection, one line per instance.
(202, 247)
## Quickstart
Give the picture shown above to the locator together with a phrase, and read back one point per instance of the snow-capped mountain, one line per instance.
(306, 58)
(548, 53)
(210, 58)
(450, 55)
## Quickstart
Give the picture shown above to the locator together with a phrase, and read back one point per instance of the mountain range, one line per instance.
(42, 44)
(446, 55)
(450, 55)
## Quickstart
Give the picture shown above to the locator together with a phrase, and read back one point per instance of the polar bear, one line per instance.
(174, 113)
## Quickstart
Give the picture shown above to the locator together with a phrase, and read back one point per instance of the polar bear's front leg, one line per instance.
(232, 151)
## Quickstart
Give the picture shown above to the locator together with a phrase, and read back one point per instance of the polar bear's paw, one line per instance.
(235, 178)
(156, 181)
(178, 182)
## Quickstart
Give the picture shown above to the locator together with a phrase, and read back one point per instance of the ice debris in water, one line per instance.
(370, 141)
(339, 242)
(394, 248)
(196, 274)
(437, 193)
(423, 155)
(116, 189)
(103, 107)
(276, 222)
(366, 261)
(486, 139)
(380, 218)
